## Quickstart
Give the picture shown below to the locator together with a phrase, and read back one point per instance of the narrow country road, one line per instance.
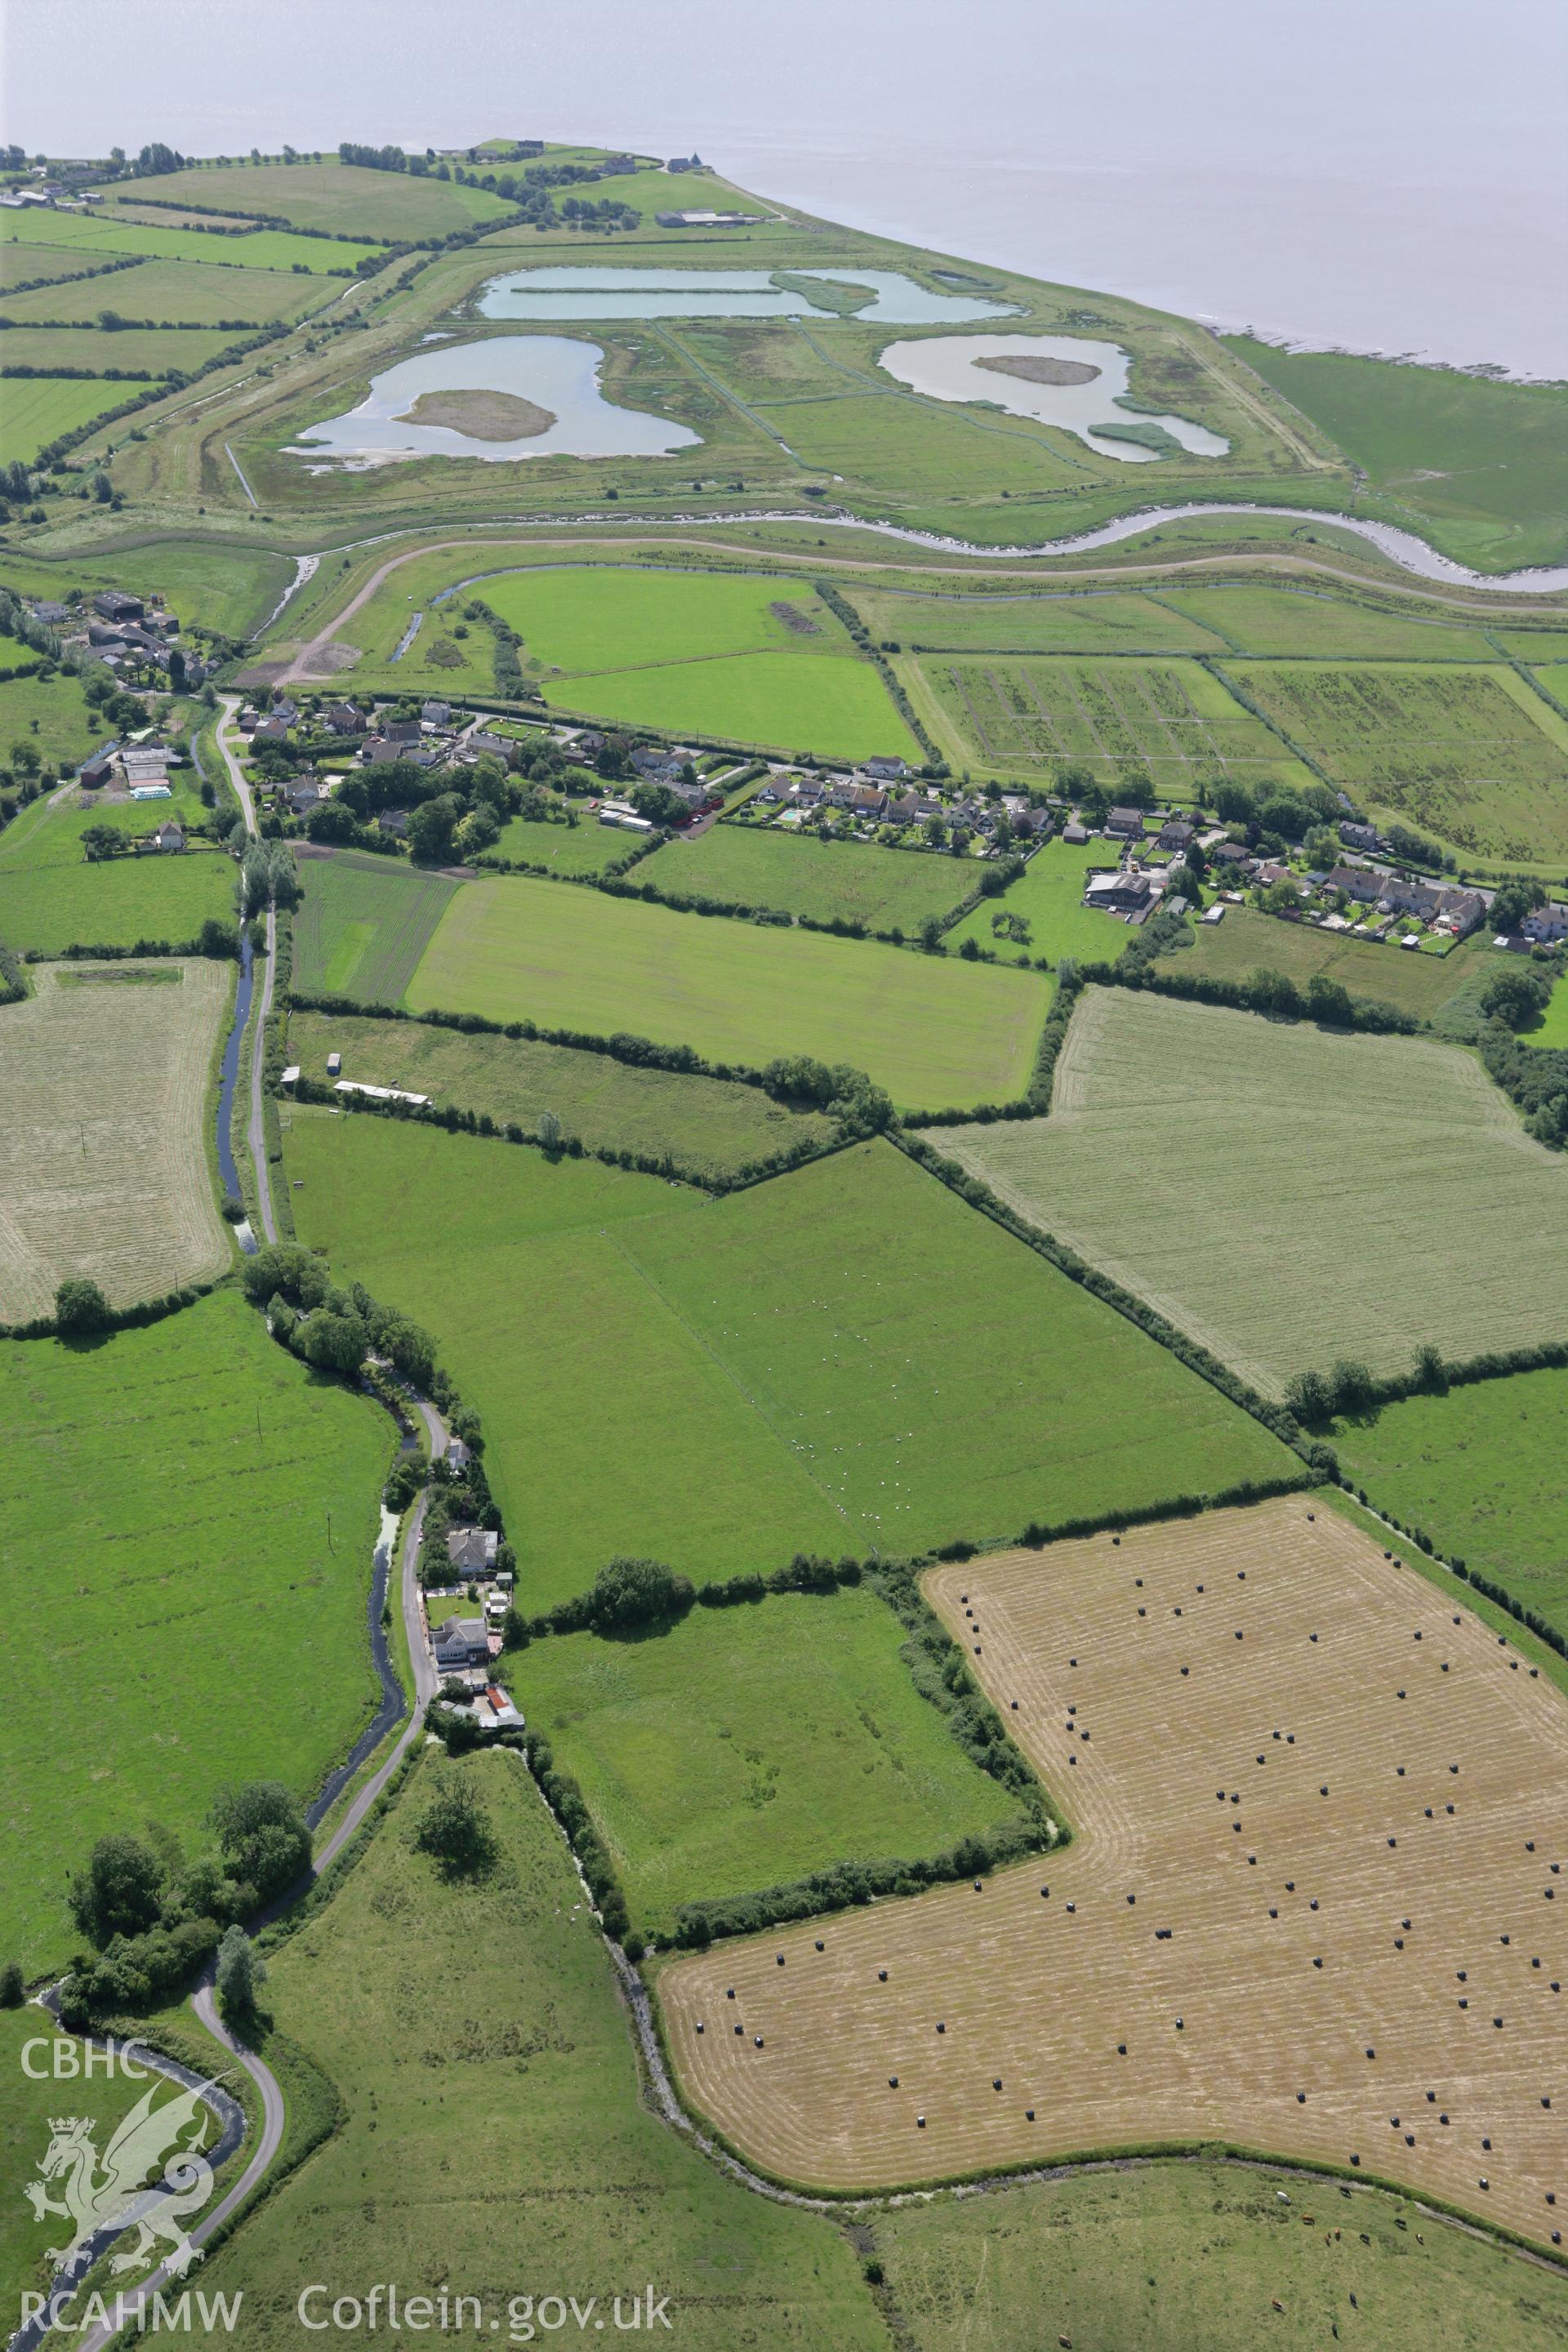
(203, 2001)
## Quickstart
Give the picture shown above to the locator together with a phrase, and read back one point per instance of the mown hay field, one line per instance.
(1484, 1472)
(1279, 1936)
(745, 1747)
(1196, 2256)
(1474, 756)
(343, 199)
(849, 880)
(363, 924)
(1101, 621)
(1288, 1195)
(104, 1167)
(202, 1598)
(711, 1125)
(426, 2000)
(843, 1359)
(1173, 721)
(931, 1029)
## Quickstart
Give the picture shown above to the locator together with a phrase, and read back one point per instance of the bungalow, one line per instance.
(1544, 926)
(394, 820)
(1360, 836)
(1075, 831)
(459, 1642)
(1036, 822)
(1124, 891)
(401, 731)
(458, 1455)
(886, 771)
(588, 742)
(1124, 824)
(472, 1550)
(499, 746)
(270, 729)
(1176, 833)
(303, 796)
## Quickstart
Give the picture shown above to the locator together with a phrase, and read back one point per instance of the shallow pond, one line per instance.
(555, 375)
(948, 367)
(585, 293)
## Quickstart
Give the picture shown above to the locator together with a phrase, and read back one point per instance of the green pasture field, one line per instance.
(219, 1628)
(1205, 2257)
(931, 1029)
(1204, 1157)
(749, 1746)
(585, 847)
(709, 1124)
(152, 353)
(1049, 898)
(1108, 621)
(262, 249)
(1299, 622)
(1554, 678)
(801, 876)
(107, 1091)
(1246, 941)
(37, 410)
(1472, 755)
(1484, 1472)
(1551, 1029)
(20, 264)
(50, 713)
(190, 293)
(889, 445)
(705, 653)
(51, 898)
(344, 199)
(363, 924)
(1533, 644)
(223, 587)
(1173, 721)
(845, 1357)
(836, 708)
(429, 2003)
(1481, 467)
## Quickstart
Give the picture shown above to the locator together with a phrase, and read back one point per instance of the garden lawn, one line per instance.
(37, 410)
(845, 1357)
(749, 1746)
(202, 1607)
(1484, 1472)
(1204, 2257)
(439, 2008)
(51, 898)
(585, 847)
(852, 881)
(711, 1125)
(1474, 755)
(1048, 899)
(363, 924)
(1486, 465)
(931, 1029)
(1208, 1160)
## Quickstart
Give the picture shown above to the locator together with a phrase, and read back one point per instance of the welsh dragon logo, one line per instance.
(144, 2181)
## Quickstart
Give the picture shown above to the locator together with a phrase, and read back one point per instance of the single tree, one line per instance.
(240, 1971)
(80, 1306)
(120, 1891)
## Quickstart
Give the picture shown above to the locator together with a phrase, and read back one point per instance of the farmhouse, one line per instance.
(460, 1642)
(1360, 836)
(472, 1550)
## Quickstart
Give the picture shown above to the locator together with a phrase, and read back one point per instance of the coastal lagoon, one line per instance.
(571, 292)
(1061, 380)
(500, 398)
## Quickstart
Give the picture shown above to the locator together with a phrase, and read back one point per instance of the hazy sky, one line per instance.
(1389, 173)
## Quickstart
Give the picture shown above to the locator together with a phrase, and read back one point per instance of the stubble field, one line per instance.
(1279, 1936)
(103, 1168)
(1288, 1195)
